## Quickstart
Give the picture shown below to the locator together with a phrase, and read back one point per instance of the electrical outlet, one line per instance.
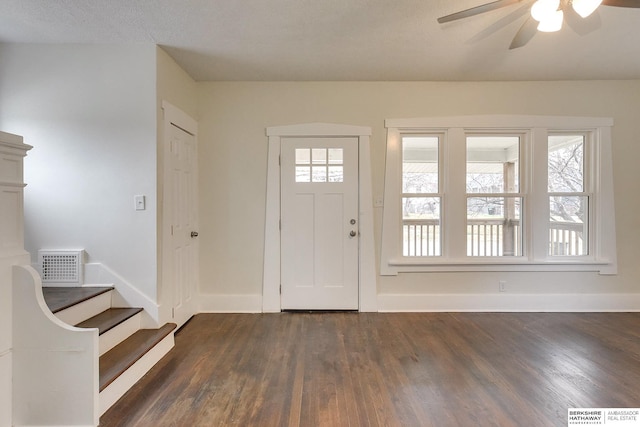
(502, 286)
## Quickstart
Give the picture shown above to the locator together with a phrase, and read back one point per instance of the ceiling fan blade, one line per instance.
(477, 10)
(525, 33)
(622, 3)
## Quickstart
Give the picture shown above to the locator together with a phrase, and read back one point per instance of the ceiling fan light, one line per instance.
(543, 9)
(552, 22)
(585, 8)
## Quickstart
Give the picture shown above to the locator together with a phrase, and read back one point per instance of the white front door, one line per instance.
(183, 212)
(319, 223)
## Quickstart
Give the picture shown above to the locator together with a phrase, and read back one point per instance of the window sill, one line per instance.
(515, 264)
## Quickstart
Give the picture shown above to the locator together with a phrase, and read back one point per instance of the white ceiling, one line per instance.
(336, 39)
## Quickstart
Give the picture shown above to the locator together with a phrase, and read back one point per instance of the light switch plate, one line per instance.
(139, 202)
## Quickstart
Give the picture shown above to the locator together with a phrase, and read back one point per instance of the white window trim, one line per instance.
(602, 256)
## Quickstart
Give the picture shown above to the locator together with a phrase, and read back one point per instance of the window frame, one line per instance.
(533, 189)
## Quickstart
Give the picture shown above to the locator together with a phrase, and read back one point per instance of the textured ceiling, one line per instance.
(337, 39)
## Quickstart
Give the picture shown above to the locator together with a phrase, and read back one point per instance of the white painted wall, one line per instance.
(233, 162)
(90, 113)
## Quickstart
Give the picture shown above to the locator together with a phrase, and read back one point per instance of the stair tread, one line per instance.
(109, 318)
(60, 298)
(117, 360)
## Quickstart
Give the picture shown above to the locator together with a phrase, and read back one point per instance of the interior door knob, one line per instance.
(353, 233)
(194, 234)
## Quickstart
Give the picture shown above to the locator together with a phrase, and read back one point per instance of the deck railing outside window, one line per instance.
(421, 237)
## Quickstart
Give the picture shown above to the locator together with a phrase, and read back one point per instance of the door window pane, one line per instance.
(319, 156)
(303, 156)
(327, 165)
(493, 226)
(303, 174)
(492, 164)
(335, 156)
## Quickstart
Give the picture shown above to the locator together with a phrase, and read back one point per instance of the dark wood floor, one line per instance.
(409, 369)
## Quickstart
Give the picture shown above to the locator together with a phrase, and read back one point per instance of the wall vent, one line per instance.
(61, 267)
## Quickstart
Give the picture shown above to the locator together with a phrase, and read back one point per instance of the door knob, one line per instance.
(194, 234)
(353, 233)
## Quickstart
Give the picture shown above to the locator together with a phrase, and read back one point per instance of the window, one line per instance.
(421, 195)
(501, 193)
(568, 201)
(493, 201)
(319, 165)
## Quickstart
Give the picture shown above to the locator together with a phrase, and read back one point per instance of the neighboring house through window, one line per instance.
(505, 193)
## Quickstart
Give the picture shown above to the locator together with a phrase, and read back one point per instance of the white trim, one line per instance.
(271, 269)
(125, 295)
(318, 129)
(179, 118)
(509, 302)
(500, 122)
(220, 303)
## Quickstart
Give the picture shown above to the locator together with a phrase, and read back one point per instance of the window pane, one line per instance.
(319, 174)
(336, 174)
(494, 226)
(420, 164)
(319, 156)
(335, 156)
(492, 164)
(568, 231)
(303, 156)
(566, 163)
(303, 174)
(421, 226)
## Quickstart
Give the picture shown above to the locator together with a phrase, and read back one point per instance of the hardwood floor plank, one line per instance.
(388, 369)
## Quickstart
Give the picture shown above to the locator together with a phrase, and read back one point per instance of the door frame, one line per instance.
(367, 286)
(172, 116)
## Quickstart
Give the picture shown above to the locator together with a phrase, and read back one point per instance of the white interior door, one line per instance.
(184, 223)
(319, 228)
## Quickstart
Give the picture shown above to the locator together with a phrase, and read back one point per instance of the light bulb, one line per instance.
(585, 8)
(541, 9)
(552, 22)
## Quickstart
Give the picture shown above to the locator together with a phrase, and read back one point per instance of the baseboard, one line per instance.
(225, 303)
(509, 302)
(126, 294)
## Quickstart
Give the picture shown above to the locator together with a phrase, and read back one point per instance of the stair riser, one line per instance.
(116, 335)
(124, 382)
(85, 310)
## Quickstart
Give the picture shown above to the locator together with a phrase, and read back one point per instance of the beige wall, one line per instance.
(233, 166)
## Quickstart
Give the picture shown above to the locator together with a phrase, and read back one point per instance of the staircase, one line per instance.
(126, 352)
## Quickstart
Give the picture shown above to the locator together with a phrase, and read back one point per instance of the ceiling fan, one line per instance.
(546, 15)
